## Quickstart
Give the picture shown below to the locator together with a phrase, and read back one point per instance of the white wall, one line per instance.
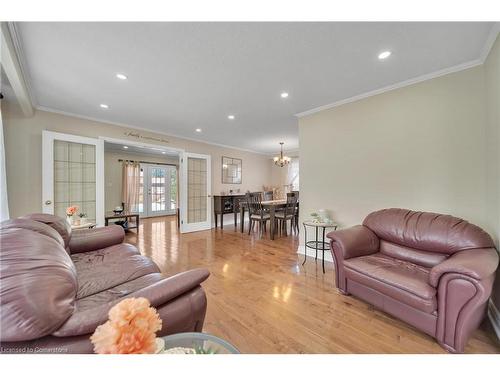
(23, 146)
(420, 147)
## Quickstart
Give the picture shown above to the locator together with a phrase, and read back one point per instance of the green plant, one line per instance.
(200, 350)
(82, 215)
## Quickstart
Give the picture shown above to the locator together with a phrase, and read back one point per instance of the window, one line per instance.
(293, 174)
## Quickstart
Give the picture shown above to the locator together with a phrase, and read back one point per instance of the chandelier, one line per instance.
(281, 160)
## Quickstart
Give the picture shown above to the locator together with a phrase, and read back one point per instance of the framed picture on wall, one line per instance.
(231, 170)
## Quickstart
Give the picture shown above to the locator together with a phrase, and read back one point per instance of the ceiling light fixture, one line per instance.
(284, 95)
(104, 106)
(230, 117)
(281, 160)
(163, 152)
(121, 76)
(125, 147)
(384, 55)
(198, 130)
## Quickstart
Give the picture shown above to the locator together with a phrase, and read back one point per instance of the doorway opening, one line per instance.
(148, 173)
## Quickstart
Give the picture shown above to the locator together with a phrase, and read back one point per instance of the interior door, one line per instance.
(196, 213)
(159, 189)
(73, 175)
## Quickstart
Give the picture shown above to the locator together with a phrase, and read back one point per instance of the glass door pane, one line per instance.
(75, 178)
(197, 190)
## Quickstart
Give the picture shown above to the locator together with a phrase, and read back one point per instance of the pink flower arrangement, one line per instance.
(71, 210)
(131, 329)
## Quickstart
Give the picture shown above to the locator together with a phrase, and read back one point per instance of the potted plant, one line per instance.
(70, 211)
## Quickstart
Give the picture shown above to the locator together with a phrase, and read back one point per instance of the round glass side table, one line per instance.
(199, 343)
(316, 244)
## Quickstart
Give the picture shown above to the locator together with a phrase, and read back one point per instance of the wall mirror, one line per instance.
(231, 170)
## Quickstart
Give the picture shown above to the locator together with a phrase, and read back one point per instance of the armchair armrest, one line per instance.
(86, 321)
(94, 239)
(477, 263)
(353, 242)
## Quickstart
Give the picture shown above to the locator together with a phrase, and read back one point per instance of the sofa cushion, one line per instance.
(60, 224)
(106, 268)
(37, 285)
(423, 258)
(401, 280)
(427, 231)
(117, 292)
(35, 226)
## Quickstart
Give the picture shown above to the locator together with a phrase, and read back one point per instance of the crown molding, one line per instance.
(18, 49)
(409, 82)
(123, 125)
(488, 45)
(490, 40)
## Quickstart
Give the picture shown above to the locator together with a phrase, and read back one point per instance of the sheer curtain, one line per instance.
(4, 206)
(131, 175)
(292, 177)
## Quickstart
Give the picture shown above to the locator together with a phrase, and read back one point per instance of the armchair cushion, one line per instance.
(478, 264)
(97, 238)
(354, 242)
(85, 321)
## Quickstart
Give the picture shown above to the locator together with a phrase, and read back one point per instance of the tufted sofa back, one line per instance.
(427, 231)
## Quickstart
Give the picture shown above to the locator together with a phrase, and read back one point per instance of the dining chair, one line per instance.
(267, 195)
(296, 221)
(288, 213)
(256, 212)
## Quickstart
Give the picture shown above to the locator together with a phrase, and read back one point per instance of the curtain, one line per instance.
(4, 206)
(292, 177)
(131, 175)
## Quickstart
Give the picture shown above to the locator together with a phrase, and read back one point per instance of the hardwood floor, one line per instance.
(262, 300)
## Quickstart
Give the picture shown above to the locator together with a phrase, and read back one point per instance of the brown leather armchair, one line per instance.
(56, 287)
(432, 271)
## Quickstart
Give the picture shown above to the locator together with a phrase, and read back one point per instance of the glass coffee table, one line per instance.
(197, 343)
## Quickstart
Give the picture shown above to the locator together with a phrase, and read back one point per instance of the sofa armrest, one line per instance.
(86, 321)
(477, 264)
(94, 239)
(353, 242)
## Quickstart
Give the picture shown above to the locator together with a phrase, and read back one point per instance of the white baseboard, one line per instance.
(494, 316)
(311, 253)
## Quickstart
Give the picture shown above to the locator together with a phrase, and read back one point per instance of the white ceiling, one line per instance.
(184, 76)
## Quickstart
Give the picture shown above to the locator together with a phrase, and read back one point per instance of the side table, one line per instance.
(316, 244)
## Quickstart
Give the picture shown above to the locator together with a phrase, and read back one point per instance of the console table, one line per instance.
(227, 204)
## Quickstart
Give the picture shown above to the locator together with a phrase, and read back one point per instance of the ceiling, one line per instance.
(184, 76)
(158, 152)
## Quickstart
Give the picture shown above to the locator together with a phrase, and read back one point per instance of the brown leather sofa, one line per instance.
(56, 286)
(432, 271)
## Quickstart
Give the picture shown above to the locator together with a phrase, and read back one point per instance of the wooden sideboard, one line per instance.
(227, 204)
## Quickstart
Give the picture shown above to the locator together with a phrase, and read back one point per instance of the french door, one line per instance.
(73, 175)
(158, 190)
(196, 213)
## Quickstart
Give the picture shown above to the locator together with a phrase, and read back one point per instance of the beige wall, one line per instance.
(113, 173)
(420, 147)
(23, 146)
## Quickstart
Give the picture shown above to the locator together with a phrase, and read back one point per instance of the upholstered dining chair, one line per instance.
(256, 212)
(288, 213)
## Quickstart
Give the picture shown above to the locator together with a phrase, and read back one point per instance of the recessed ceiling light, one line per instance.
(125, 146)
(121, 76)
(163, 152)
(230, 117)
(284, 95)
(104, 106)
(384, 55)
(198, 130)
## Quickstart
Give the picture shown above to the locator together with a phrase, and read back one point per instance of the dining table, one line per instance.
(270, 206)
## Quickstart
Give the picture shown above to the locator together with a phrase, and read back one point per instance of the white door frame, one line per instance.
(180, 151)
(48, 138)
(192, 227)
